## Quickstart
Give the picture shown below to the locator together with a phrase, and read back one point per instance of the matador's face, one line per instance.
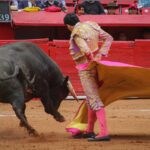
(70, 28)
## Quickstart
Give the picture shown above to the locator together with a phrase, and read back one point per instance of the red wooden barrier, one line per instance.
(142, 53)
(60, 53)
(121, 51)
(42, 43)
(6, 31)
(130, 52)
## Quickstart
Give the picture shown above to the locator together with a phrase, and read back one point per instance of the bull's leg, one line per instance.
(16, 98)
(50, 109)
(21, 122)
(48, 103)
(19, 108)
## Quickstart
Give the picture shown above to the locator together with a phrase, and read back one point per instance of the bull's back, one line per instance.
(23, 49)
(30, 55)
(26, 51)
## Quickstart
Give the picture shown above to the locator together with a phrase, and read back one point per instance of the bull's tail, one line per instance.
(6, 76)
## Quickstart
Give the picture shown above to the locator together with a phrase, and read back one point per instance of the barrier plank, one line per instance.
(132, 52)
(42, 43)
(142, 53)
(6, 31)
(121, 51)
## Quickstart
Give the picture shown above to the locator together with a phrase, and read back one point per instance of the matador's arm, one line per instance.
(84, 48)
(107, 40)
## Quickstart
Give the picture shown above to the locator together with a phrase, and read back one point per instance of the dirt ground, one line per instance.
(128, 124)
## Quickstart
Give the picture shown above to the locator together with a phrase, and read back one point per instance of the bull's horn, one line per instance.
(72, 91)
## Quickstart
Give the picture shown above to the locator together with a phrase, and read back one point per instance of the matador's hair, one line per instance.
(71, 19)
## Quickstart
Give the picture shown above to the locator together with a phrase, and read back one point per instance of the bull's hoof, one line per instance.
(33, 132)
(21, 124)
(60, 118)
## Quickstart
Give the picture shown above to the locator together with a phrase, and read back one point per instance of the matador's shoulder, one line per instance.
(84, 29)
(93, 25)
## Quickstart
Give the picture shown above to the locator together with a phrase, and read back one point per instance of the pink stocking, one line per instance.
(91, 120)
(102, 121)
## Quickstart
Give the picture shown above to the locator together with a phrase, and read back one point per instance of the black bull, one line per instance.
(26, 72)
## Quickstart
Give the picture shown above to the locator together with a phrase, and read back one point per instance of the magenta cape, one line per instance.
(117, 81)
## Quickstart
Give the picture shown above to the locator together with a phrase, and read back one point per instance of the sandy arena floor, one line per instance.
(128, 123)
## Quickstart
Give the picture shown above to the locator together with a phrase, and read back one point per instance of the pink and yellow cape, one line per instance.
(117, 81)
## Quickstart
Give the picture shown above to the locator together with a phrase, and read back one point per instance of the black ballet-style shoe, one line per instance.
(103, 138)
(84, 135)
(88, 135)
(78, 136)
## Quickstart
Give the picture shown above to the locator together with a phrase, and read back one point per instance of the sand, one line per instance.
(128, 123)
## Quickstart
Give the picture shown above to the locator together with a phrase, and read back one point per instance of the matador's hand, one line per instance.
(89, 56)
(98, 57)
